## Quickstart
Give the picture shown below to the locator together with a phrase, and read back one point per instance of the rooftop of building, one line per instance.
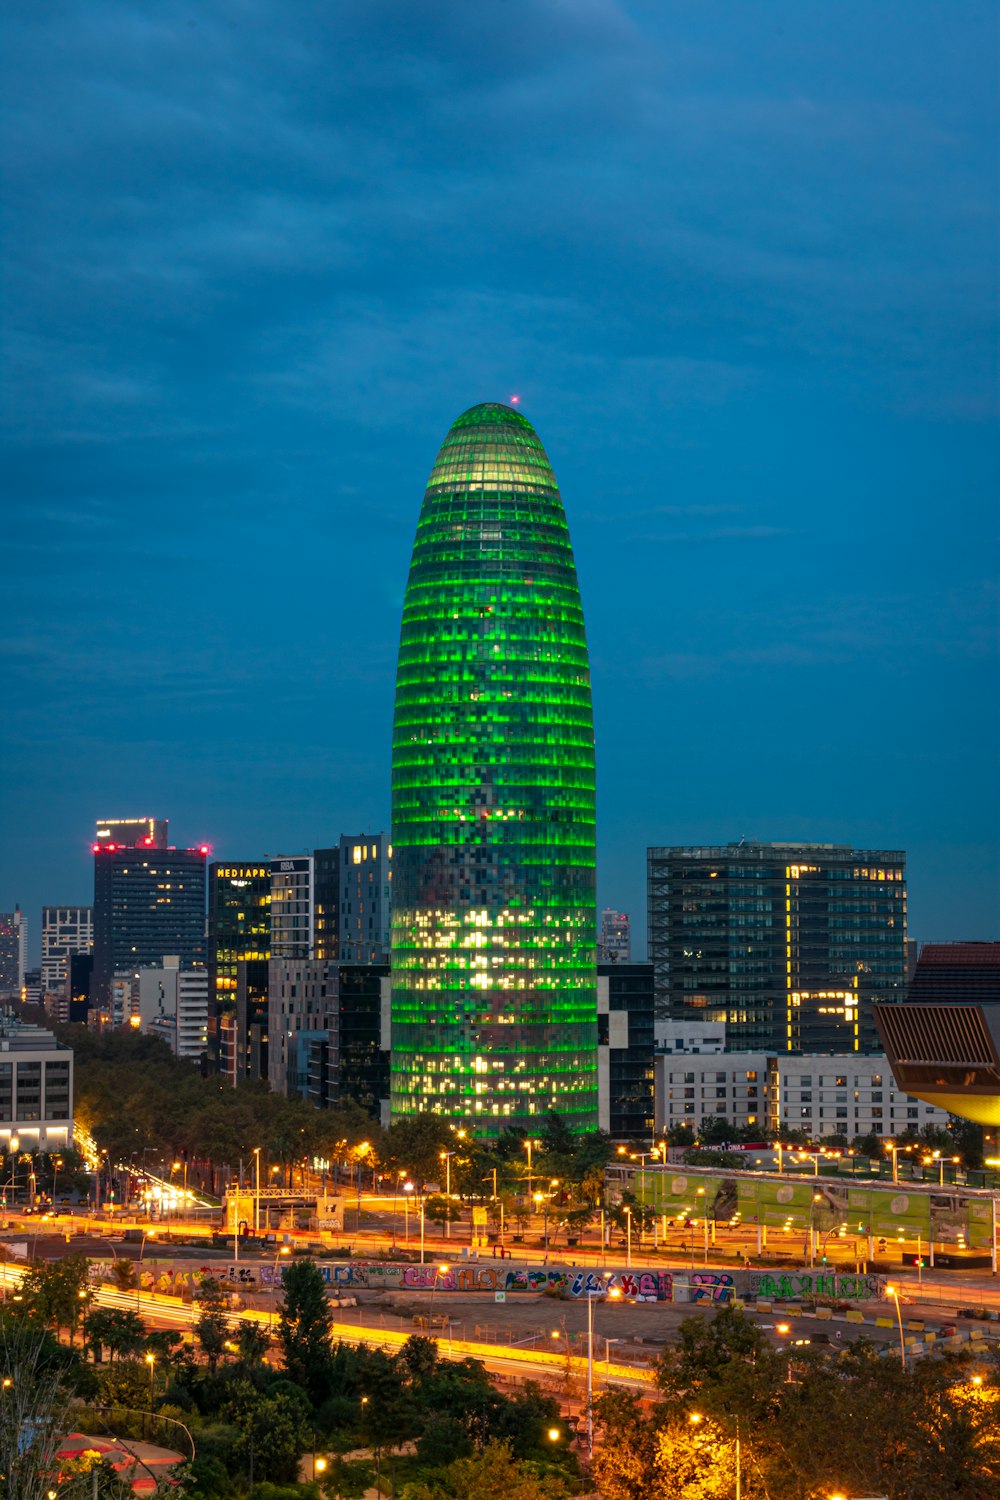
(17, 1035)
(967, 972)
(749, 848)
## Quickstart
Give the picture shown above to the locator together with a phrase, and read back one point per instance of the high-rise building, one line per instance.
(326, 903)
(614, 945)
(79, 988)
(292, 933)
(626, 1048)
(65, 930)
(365, 898)
(36, 1091)
(362, 1036)
(494, 1010)
(302, 1008)
(789, 944)
(239, 928)
(148, 902)
(245, 1055)
(13, 952)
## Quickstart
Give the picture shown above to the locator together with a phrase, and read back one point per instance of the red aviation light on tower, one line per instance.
(203, 848)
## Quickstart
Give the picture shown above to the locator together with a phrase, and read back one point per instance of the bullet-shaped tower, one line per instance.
(494, 1007)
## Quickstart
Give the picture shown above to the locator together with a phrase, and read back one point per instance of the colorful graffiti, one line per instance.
(644, 1285)
(817, 1284)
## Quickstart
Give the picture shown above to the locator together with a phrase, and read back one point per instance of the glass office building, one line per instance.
(788, 944)
(494, 1011)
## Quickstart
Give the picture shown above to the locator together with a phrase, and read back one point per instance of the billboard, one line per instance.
(775, 1204)
(979, 1234)
(889, 1213)
(676, 1195)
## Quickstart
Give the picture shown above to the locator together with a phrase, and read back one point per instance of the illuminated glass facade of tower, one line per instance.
(494, 1008)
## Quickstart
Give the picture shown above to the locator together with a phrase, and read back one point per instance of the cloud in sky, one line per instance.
(738, 261)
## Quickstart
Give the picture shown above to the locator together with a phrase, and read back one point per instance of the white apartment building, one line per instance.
(173, 1004)
(65, 930)
(36, 1088)
(822, 1094)
(293, 933)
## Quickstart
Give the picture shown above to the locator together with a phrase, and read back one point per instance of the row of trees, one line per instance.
(962, 1138)
(802, 1425)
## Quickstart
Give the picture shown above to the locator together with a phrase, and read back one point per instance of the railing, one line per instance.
(151, 1425)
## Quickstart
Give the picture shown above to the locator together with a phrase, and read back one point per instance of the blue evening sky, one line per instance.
(738, 259)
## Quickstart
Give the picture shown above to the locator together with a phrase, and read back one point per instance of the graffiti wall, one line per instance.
(178, 1277)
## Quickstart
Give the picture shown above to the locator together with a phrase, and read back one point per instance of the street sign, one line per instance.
(499, 1296)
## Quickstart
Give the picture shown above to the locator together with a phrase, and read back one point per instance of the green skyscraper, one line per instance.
(494, 1007)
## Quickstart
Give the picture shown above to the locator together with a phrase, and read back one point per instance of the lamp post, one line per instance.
(628, 1238)
(147, 1235)
(441, 1270)
(284, 1250)
(527, 1146)
(151, 1362)
(407, 1189)
(446, 1157)
(256, 1193)
(894, 1294)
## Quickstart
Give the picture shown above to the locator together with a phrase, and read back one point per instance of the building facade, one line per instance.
(36, 1089)
(65, 930)
(292, 930)
(365, 898)
(494, 1004)
(625, 1049)
(788, 944)
(614, 944)
(303, 1005)
(820, 1094)
(147, 902)
(239, 930)
(362, 1052)
(326, 903)
(13, 952)
(173, 1005)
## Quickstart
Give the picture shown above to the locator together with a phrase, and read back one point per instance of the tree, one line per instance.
(121, 1333)
(34, 1406)
(274, 1430)
(304, 1329)
(52, 1290)
(252, 1342)
(212, 1327)
(494, 1474)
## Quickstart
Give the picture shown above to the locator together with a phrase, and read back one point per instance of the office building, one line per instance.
(173, 1005)
(239, 928)
(31, 988)
(788, 944)
(494, 1005)
(79, 988)
(148, 901)
(821, 1095)
(36, 1090)
(65, 930)
(303, 1005)
(292, 933)
(625, 1049)
(13, 952)
(326, 903)
(363, 1036)
(245, 1055)
(614, 944)
(365, 898)
(943, 1041)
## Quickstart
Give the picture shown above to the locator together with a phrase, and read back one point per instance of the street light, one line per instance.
(407, 1188)
(151, 1362)
(894, 1294)
(284, 1250)
(696, 1417)
(256, 1197)
(446, 1157)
